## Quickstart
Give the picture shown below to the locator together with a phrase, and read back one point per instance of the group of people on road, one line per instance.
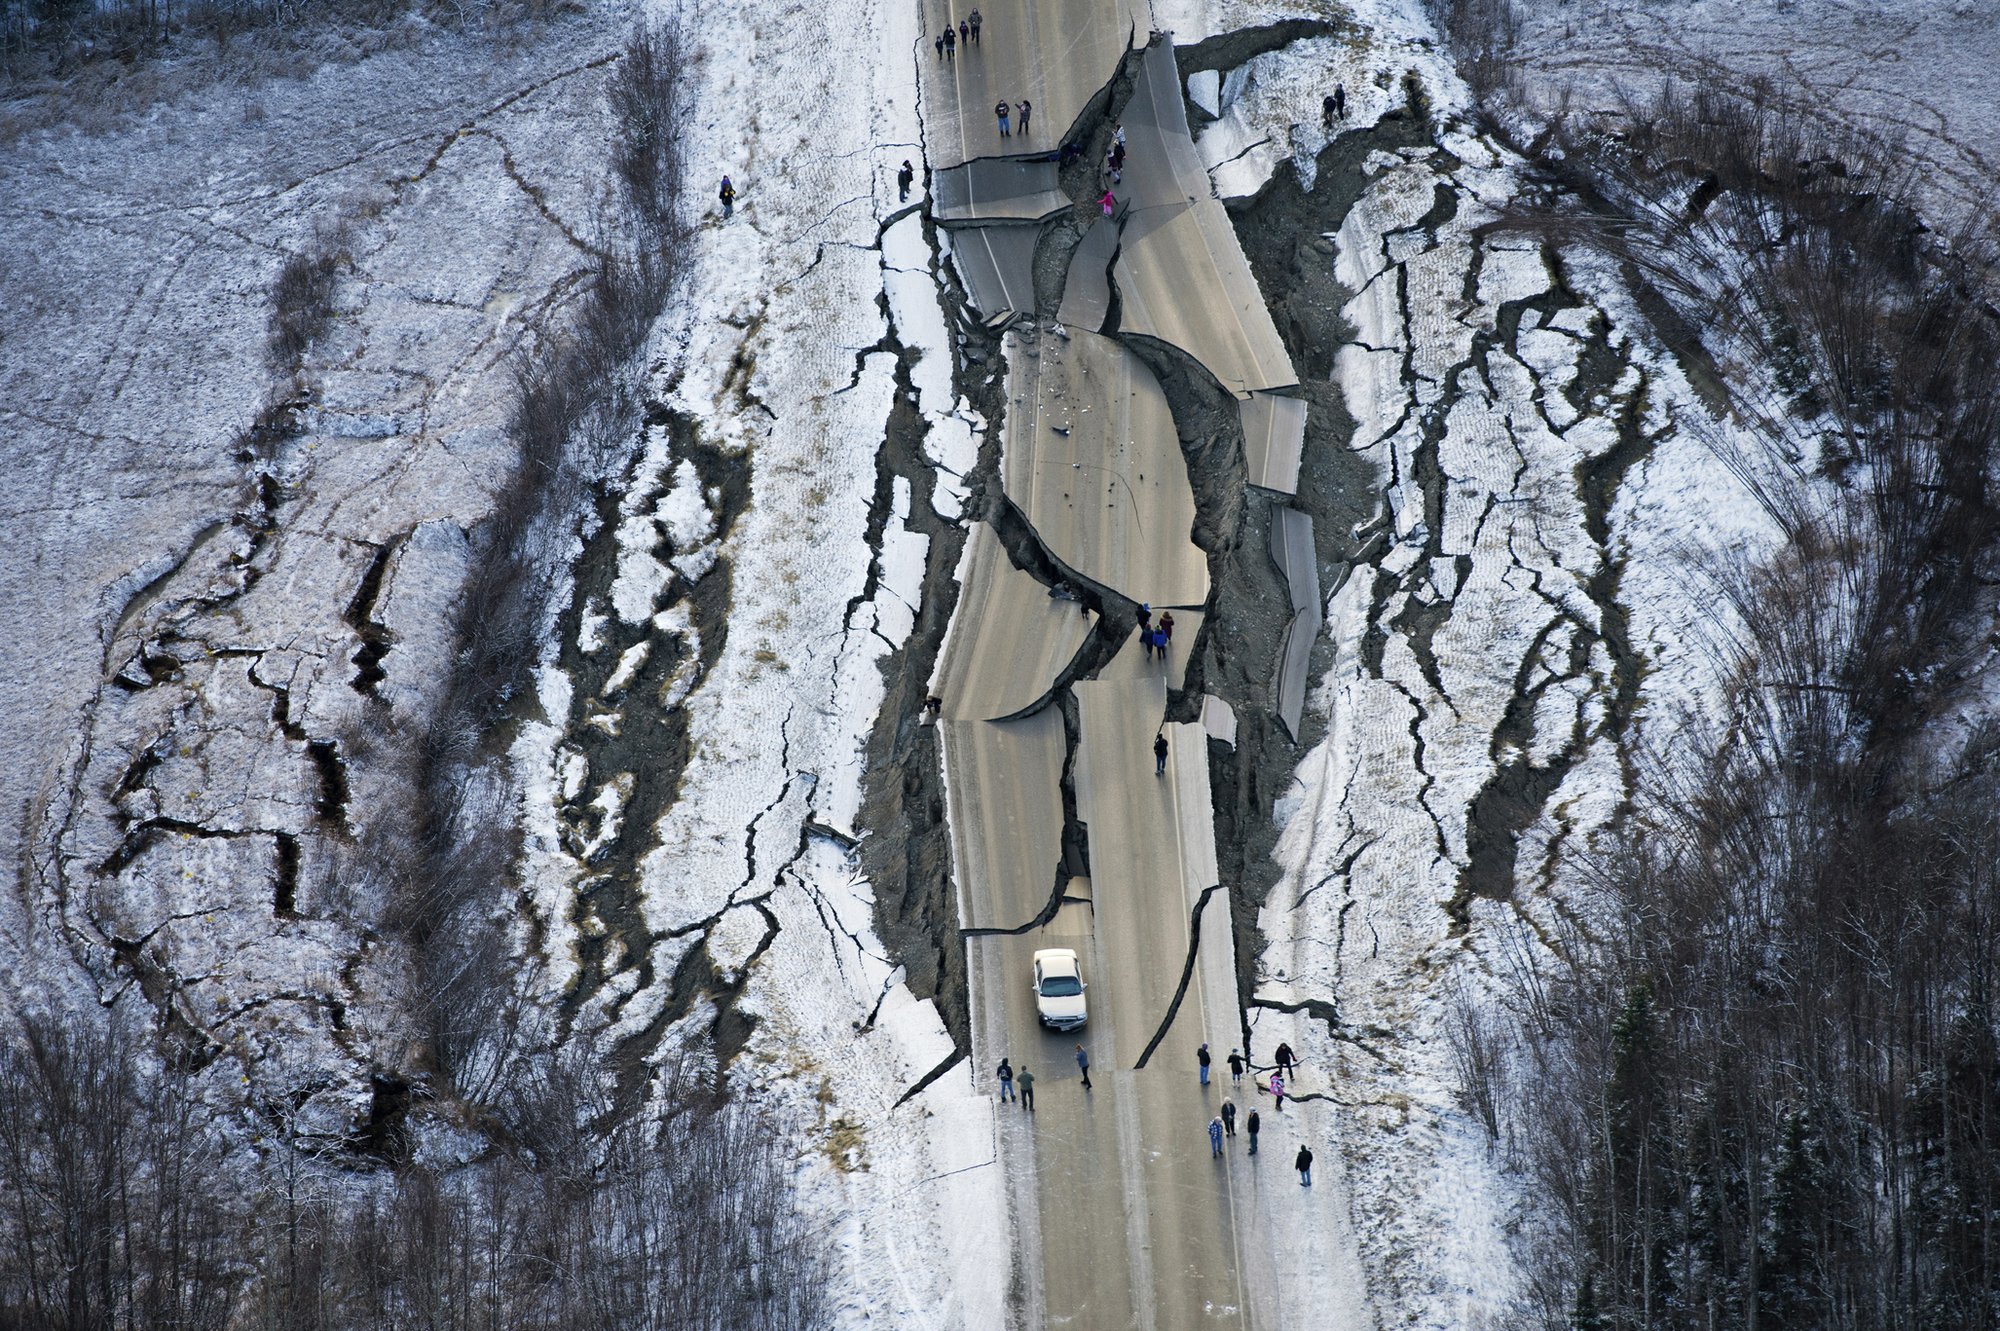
(1024, 109)
(965, 34)
(1155, 637)
(1024, 1080)
(1224, 1123)
(1020, 1088)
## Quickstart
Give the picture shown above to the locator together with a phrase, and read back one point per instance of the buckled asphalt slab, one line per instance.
(1182, 278)
(1086, 299)
(997, 265)
(1009, 639)
(997, 190)
(1274, 437)
(1092, 458)
(1293, 553)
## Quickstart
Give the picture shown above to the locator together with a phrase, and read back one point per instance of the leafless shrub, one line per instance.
(1481, 35)
(60, 40)
(302, 297)
(1477, 1059)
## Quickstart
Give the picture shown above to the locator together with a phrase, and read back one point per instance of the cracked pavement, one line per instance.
(1063, 835)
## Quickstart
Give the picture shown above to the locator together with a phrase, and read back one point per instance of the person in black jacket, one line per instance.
(1304, 1164)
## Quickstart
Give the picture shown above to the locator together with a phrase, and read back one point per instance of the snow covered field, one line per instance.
(1919, 74)
(189, 603)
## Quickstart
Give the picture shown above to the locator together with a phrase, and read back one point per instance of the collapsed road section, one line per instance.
(1080, 814)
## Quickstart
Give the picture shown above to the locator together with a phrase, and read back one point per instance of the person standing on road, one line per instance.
(1027, 1080)
(1214, 1138)
(1109, 202)
(1278, 1092)
(1160, 769)
(1250, 1126)
(1285, 1059)
(1026, 108)
(1145, 617)
(1304, 1164)
(1006, 1074)
(1235, 1068)
(1167, 625)
(728, 196)
(1229, 1117)
(974, 21)
(1201, 1061)
(950, 42)
(939, 43)
(1083, 1065)
(1000, 110)
(964, 33)
(903, 179)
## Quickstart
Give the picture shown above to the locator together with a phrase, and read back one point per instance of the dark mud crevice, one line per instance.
(922, 1083)
(628, 721)
(1027, 552)
(140, 836)
(1518, 791)
(905, 850)
(1225, 51)
(1283, 231)
(1322, 1011)
(1092, 129)
(360, 616)
(285, 880)
(1209, 428)
(1514, 796)
(1187, 974)
(1053, 253)
(331, 770)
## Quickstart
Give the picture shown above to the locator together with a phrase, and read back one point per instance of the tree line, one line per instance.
(128, 1198)
(1760, 1087)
